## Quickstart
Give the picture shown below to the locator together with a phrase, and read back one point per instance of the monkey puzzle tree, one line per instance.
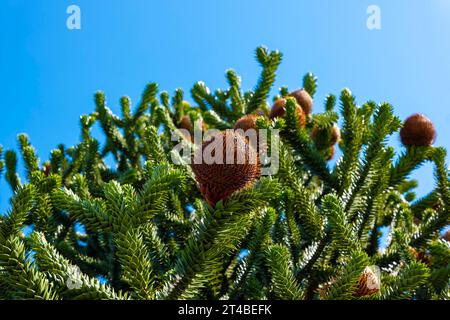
(145, 227)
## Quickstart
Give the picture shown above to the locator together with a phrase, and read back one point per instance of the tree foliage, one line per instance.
(114, 218)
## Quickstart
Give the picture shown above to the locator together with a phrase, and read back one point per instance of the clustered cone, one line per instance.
(217, 181)
(279, 110)
(418, 130)
(368, 283)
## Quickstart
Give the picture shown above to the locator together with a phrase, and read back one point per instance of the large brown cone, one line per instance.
(418, 130)
(279, 110)
(217, 181)
(304, 100)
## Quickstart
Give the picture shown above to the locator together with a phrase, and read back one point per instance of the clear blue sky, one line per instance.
(49, 73)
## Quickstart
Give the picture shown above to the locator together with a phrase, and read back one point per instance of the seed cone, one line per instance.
(279, 110)
(368, 283)
(304, 100)
(418, 130)
(419, 255)
(335, 135)
(326, 137)
(447, 236)
(246, 122)
(218, 179)
(185, 123)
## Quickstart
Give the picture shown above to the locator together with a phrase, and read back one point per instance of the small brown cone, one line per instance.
(304, 100)
(217, 181)
(185, 123)
(368, 283)
(279, 110)
(418, 130)
(333, 135)
(419, 255)
(447, 236)
(46, 169)
(246, 122)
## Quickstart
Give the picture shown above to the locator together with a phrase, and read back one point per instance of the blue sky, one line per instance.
(48, 74)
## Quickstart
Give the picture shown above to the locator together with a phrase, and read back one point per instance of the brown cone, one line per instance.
(419, 255)
(46, 169)
(304, 100)
(219, 181)
(447, 236)
(185, 123)
(279, 110)
(418, 130)
(246, 122)
(335, 134)
(368, 283)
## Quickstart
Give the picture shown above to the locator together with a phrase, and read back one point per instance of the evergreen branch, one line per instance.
(19, 279)
(62, 273)
(410, 160)
(409, 279)
(148, 96)
(310, 84)
(214, 120)
(284, 283)
(351, 144)
(237, 101)
(89, 212)
(192, 258)
(330, 102)
(30, 159)
(338, 225)
(300, 142)
(136, 267)
(22, 204)
(11, 166)
(152, 146)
